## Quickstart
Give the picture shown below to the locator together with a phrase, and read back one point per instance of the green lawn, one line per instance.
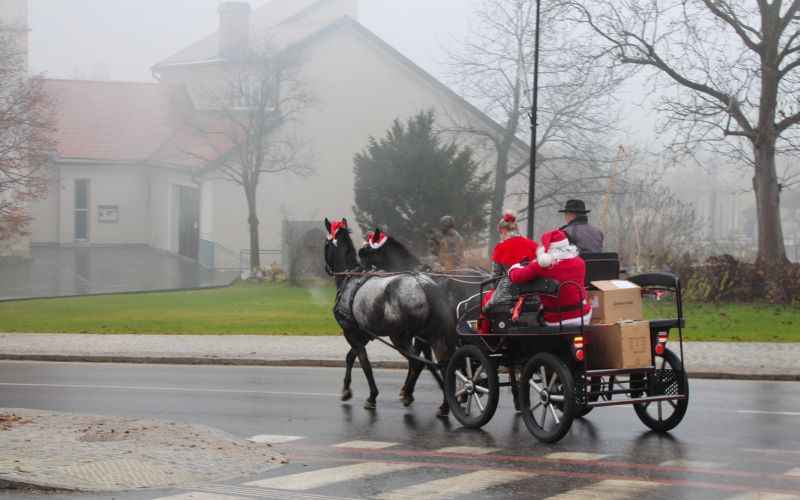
(753, 322)
(279, 309)
(243, 308)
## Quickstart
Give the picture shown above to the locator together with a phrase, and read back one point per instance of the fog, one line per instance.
(122, 39)
(359, 90)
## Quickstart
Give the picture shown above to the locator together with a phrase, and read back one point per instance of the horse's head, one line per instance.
(384, 252)
(339, 252)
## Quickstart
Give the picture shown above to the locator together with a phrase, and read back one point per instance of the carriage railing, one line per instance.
(541, 286)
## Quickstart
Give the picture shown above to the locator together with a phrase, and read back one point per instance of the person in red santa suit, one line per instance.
(511, 250)
(558, 260)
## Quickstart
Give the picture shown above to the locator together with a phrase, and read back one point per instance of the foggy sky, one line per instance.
(122, 39)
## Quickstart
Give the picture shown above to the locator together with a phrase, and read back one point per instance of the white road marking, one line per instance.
(366, 445)
(199, 495)
(324, 477)
(760, 412)
(454, 487)
(567, 455)
(173, 389)
(273, 439)
(789, 453)
(467, 450)
(692, 464)
(250, 492)
(764, 496)
(793, 472)
(609, 489)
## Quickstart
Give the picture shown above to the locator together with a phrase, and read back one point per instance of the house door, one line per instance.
(188, 221)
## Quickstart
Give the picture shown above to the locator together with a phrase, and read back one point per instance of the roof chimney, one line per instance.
(234, 25)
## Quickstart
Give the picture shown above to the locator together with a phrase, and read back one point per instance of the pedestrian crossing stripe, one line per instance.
(199, 495)
(455, 486)
(574, 455)
(793, 472)
(467, 450)
(273, 439)
(691, 464)
(324, 477)
(224, 491)
(764, 496)
(365, 445)
(611, 488)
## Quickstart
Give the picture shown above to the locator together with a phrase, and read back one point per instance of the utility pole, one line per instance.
(534, 113)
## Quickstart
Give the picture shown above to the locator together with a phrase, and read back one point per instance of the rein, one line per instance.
(460, 278)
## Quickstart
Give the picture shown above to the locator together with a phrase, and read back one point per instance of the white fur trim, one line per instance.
(559, 244)
(379, 244)
(545, 260)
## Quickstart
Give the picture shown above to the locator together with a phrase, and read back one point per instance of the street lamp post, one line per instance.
(534, 112)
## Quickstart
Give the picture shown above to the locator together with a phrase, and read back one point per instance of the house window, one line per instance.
(81, 209)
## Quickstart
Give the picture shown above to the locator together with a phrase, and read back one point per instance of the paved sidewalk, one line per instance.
(68, 451)
(702, 359)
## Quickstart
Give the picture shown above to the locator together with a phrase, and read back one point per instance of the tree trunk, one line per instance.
(765, 184)
(252, 222)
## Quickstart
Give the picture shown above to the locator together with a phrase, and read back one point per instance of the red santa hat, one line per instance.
(554, 239)
(335, 227)
(376, 242)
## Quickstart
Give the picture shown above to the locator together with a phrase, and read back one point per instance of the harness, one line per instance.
(343, 307)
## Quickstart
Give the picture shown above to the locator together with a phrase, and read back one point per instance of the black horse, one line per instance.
(391, 255)
(403, 307)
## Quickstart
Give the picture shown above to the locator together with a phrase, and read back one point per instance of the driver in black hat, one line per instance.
(583, 235)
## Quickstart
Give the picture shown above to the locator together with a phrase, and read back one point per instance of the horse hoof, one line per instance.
(346, 394)
(442, 412)
(369, 405)
(406, 400)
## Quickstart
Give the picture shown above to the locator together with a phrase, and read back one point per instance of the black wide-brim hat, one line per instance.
(575, 206)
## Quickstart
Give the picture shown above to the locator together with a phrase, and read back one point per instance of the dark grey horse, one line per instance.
(402, 307)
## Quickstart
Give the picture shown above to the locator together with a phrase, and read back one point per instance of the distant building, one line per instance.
(126, 177)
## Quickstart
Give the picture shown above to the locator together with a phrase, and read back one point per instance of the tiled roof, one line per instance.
(122, 121)
(265, 21)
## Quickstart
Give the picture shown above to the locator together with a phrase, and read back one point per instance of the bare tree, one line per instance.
(250, 125)
(26, 128)
(493, 68)
(730, 73)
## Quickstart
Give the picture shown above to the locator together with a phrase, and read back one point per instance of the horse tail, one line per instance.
(441, 328)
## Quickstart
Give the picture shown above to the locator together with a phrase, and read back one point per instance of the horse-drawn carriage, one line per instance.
(558, 380)
(556, 384)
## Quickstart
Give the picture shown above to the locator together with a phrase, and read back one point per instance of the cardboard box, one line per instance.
(615, 301)
(621, 345)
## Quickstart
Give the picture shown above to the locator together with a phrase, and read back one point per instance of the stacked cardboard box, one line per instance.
(621, 338)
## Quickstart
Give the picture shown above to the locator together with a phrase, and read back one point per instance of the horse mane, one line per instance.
(401, 249)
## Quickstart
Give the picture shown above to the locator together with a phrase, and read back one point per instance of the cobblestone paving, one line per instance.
(97, 453)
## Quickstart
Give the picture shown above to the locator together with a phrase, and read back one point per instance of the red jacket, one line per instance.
(573, 269)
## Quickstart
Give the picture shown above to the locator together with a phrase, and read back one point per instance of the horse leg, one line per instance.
(350, 359)
(444, 409)
(414, 370)
(512, 377)
(369, 404)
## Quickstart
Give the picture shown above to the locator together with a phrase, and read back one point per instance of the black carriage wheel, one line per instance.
(547, 397)
(471, 386)
(669, 379)
(596, 385)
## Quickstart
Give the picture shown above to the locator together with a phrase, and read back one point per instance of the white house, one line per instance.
(125, 177)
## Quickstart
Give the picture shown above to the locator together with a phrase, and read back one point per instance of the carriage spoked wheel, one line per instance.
(471, 386)
(668, 379)
(598, 386)
(547, 397)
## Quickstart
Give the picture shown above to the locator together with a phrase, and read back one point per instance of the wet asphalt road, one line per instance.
(738, 439)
